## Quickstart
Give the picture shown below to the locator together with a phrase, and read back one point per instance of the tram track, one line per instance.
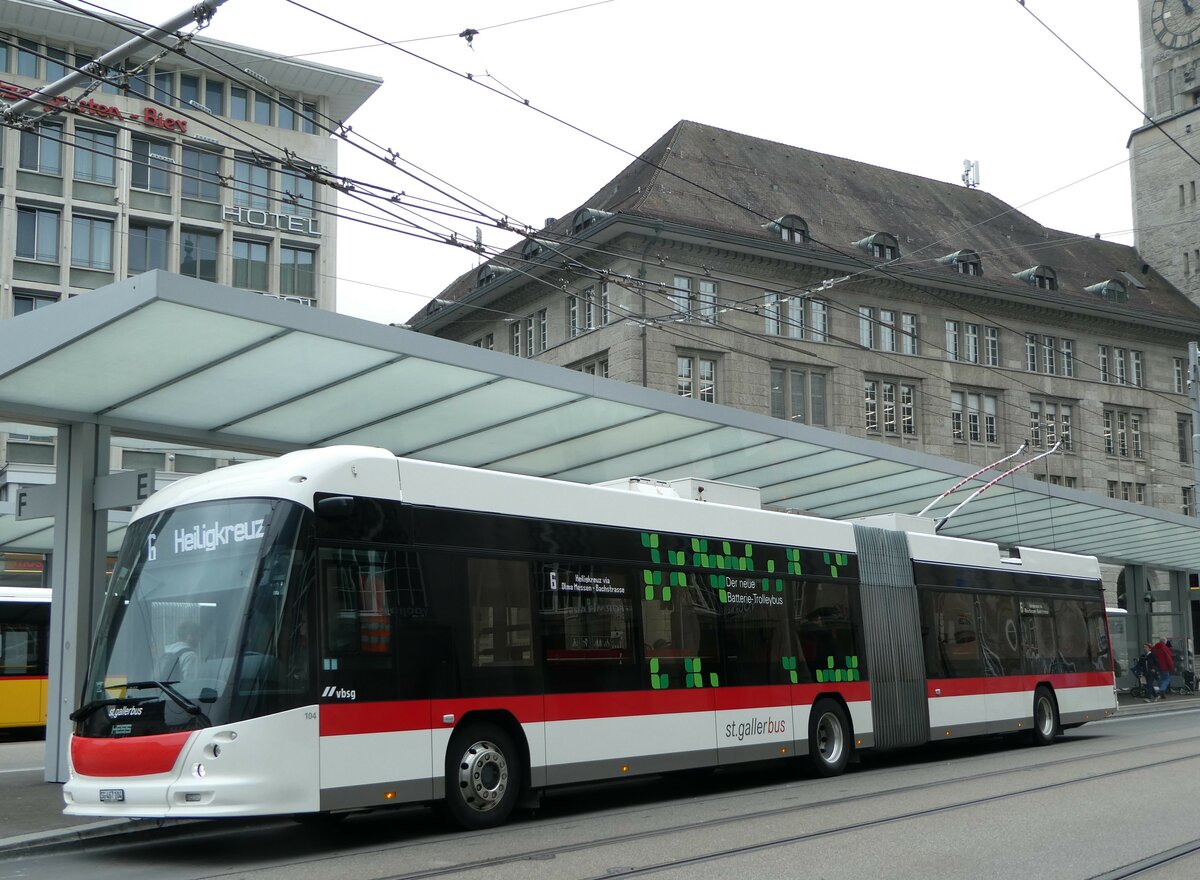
(623, 840)
(1151, 863)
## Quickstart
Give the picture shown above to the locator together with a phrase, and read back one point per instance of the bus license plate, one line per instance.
(112, 795)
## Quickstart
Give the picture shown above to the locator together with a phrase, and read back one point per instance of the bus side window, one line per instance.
(999, 635)
(826, 636)
(955, 635)
(358, 596)
(499, 602)
(680, 636)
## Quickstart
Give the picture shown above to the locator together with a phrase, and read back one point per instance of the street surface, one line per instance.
(1111, 800)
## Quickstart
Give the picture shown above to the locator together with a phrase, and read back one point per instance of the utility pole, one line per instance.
(45, 96)
(1193, 390)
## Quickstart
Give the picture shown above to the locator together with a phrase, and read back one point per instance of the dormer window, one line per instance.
(489, 272)
(585, 217)
(1111, 290)
(1043, 277)
(965, 262)
(790, 228)
(531, 248)
(881, 246)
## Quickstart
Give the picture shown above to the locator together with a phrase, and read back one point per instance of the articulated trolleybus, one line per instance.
(340, 630)
(24, 632)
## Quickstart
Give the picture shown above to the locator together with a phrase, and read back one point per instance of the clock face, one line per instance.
(1176, 23)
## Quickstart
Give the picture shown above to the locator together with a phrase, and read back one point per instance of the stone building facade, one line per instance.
(864, 300)
(1163, 153)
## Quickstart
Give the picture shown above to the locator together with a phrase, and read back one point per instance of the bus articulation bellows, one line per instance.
(339, 629)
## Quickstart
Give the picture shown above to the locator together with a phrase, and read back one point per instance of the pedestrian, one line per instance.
(1147, 668)
(1166, 665)
(179, 659)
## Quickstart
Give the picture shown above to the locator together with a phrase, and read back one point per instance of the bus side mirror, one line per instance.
(335, 507)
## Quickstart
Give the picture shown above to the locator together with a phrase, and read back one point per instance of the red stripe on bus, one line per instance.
(132, 756)
(4, 678)
(965, 687)
(345, 719)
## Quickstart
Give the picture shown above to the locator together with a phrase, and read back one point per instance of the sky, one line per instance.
(916, 87)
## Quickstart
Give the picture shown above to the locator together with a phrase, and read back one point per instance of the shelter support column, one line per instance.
(76, 580)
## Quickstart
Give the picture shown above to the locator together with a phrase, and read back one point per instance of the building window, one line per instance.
(594, 367)
(37, 234)
(251, 184)
(29, 302)
(543, 331)
(953, 350)
(251, 269)
(1178, 375)
(308, 118)
(514, 338)
(973, 416)
(214, 96)
(189, 90)
(1123, 433)
(696, 377)
(881, 245)
(991, 346)
(1183, 430)
(297, 198)
(790, 228)
(201, 175)
(1067, 347)
(1102, 357)
(41, 149)
(529, 336)
(262, 108)
(239, 104)
(1042, 277)
(866, 326)
(147, 247)
(27, 58)
(297, 272)
(1135, 368)
(487, 341)
(198, 255)
(1049, 352)
(94, 156)
(799, 395)
(151, 165)
(91, 243)
(164, 87)
(889, 407)
(285, 115)
(887, 330)
(1187, 501)
(581, 312)
(908, 334)
(1050, 422)
(694, 301)
(1119, 362)
(1031, 352)
(819, 312)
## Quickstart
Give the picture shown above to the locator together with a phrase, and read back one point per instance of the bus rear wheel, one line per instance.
(828, 738)
(1045, 718)
(483, 776)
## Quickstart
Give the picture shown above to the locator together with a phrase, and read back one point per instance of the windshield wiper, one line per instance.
(189, 706)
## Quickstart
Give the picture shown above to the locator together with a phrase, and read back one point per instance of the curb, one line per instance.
(55, 837)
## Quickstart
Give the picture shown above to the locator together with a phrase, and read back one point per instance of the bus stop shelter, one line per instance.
(168, 358)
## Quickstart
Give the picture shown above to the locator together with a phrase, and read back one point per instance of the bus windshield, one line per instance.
(195, 617)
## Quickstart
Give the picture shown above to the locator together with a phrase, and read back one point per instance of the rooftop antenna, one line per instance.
(970, 175)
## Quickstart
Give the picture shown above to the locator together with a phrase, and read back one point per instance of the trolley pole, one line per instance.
(44, 97)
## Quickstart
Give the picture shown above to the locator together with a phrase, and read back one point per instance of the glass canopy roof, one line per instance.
(179, 360)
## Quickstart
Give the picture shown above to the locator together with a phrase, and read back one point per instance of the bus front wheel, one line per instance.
(483, 776)
(828, 738)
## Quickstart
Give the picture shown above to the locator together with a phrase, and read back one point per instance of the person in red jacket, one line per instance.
(1166, 665)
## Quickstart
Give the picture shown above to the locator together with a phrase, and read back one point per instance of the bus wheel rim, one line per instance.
(829, 738)
(483, 776)
(1045, 716)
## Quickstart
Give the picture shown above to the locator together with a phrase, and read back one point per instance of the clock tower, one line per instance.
(1166, 175)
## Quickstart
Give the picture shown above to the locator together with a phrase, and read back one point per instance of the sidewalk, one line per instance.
(31, 810)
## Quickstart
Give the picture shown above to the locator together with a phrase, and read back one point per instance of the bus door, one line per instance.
(754, 704)
(374, 677)
(683, 673)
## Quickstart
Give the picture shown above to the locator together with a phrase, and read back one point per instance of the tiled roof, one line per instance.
(709, 178)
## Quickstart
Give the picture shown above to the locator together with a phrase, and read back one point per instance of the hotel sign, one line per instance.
(270, 220)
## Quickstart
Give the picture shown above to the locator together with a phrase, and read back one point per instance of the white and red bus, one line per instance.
(366, 630)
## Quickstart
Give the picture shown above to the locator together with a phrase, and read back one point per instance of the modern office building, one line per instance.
(208, 164)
